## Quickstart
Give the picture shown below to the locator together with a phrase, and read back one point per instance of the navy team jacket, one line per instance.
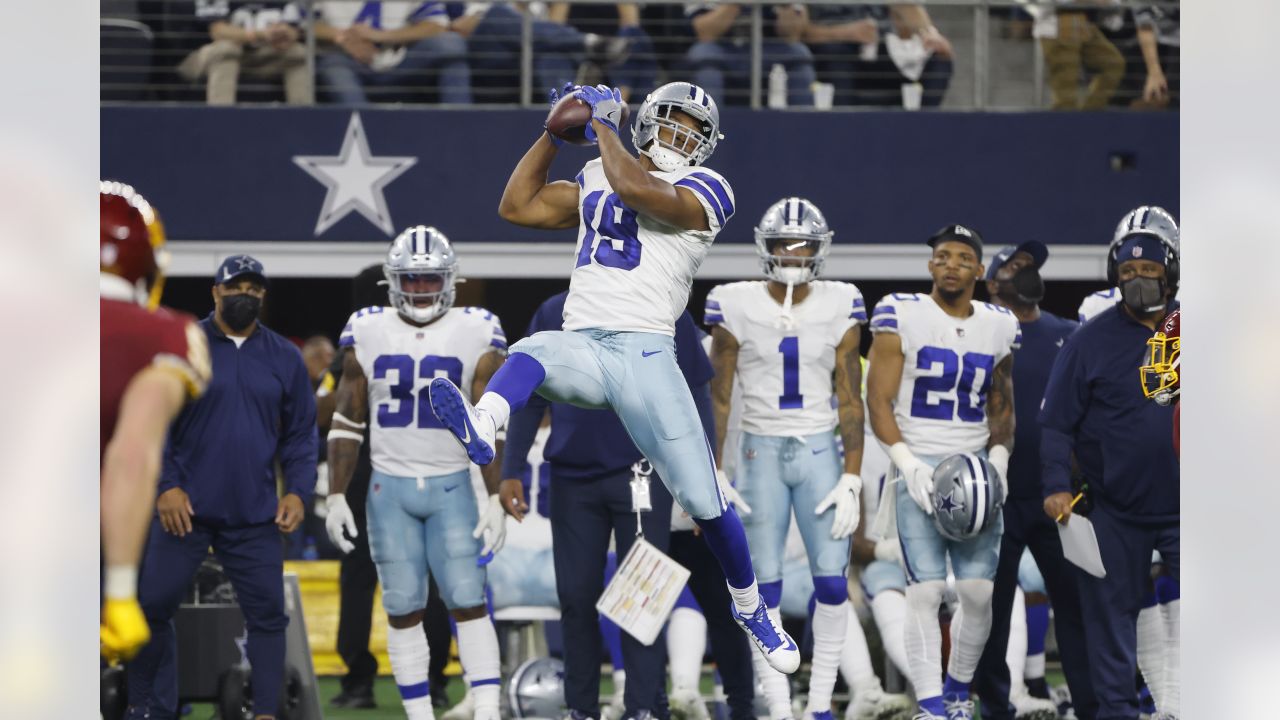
(222, 448)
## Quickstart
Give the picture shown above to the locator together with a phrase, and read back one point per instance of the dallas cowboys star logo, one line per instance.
(946, 503)
(244, 262)
(355, 180)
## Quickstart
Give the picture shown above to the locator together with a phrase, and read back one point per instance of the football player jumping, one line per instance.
(153, 361)
(644, 226)
(940, 384)
(792, 341)
(421, 508)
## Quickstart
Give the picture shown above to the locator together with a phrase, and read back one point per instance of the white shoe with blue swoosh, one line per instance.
(473, 428)
(774, 643)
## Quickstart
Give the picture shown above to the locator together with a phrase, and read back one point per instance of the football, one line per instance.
(568, 120)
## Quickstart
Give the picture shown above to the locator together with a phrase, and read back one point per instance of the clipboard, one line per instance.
(1080, 545)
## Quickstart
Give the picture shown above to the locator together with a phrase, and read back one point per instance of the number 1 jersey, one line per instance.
(400, 360)
(786, 372)
(946, 369)
(633, 272)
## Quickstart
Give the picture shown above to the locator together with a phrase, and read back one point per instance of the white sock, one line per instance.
(497, 408)
(969, 631)
(411, 665)
(1172, 612)
(1015, 655)
(686, 644)
(830, 623)
(747, 599)
(773, 684)
(481, 664)
(1034, 667)
(923, 637)
(1151, 652)
(889, 609)
(855, 658)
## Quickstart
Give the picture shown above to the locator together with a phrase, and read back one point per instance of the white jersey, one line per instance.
(633, 272)
(786, 372)
(1095, 303)
(946, 370)
(400, 360)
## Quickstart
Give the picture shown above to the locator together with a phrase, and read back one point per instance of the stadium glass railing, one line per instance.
(998, 54)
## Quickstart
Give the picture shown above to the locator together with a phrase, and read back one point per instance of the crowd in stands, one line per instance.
(224, 51)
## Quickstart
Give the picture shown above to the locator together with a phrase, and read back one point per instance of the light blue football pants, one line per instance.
(925, 551)
(776, 474)
(636, 375)
(415, 525)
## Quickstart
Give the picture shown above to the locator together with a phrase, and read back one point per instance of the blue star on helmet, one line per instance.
(246, 263)
(946, 503)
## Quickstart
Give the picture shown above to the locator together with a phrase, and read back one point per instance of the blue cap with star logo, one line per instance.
(237, 266)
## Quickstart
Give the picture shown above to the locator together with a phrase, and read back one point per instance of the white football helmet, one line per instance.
(793, 220)
(421, 251)
(687, 147)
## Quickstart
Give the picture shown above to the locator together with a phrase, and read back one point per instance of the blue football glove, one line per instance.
(606, 106)
(554, 97)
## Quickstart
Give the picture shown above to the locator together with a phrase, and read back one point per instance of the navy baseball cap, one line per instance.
(237, 266)
(958, 233)
(1038, 251)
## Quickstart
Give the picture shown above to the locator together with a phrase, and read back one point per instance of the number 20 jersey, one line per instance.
(633, 272)
(400, 360)
(946, 369)
(786, 374)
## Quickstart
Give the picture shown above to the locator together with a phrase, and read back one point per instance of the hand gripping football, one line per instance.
(568, 120)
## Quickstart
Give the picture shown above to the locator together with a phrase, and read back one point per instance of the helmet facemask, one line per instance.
(407, 301)
(782, 260)
(1160, 373)
(686, 146)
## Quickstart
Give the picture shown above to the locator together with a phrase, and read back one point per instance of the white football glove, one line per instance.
(998, 456)
(731, 493)
(845, 497)
(889, 551)
(918, 475)
(493, 519)
(339, 519)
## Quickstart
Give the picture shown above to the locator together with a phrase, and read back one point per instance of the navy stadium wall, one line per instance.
(264, 174)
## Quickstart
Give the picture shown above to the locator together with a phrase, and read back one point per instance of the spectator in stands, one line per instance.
(723, 50)
(636, 73)
(493, 33)
(868, 52)
(263, 39)
(396, 45)
(1159, 37)
(1070, 38)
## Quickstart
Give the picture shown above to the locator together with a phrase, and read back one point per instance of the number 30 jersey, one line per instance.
(633, 272)
(786, 373)
(946, 369)
(400, 360)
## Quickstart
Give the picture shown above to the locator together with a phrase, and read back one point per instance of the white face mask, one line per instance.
(665, 158)
(791, 275)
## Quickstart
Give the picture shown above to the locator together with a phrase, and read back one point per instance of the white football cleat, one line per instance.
(473, 428)
(958, 709)
(1026, 707)
(464, 710)
(773, 642)
(688, 705)
(876, 704)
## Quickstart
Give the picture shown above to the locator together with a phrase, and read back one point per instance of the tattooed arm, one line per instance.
(1000, 405)
(848, 380)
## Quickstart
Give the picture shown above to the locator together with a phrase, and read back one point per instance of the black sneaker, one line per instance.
(360, 698)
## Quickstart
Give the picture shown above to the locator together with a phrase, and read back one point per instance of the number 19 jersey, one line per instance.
(946, 369)
(400, 360)
(786, 372)
(633, 272)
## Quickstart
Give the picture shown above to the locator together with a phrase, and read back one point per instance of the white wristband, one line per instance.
(339, 434)
(333, 499)
(120, 582)
(901, 455)
(998, 456)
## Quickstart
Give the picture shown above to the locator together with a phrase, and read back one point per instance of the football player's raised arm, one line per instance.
(131, 462)
(1000, 418)
(486, 366)
(350, 418)
(529, 200)
(848, 380)
(724, 358)
(639, 190)
(883, 378)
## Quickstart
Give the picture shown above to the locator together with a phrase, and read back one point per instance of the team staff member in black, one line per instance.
(218, 488)
(1124, 446)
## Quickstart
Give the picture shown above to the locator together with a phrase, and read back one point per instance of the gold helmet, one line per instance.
(1162, 374)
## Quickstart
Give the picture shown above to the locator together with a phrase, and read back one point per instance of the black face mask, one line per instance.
(1143, 295)
(240, 310)
(1026, 287)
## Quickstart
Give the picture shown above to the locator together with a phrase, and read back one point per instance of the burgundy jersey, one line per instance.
(135, 338)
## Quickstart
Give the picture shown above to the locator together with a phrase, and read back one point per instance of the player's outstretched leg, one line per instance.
(476, 426)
